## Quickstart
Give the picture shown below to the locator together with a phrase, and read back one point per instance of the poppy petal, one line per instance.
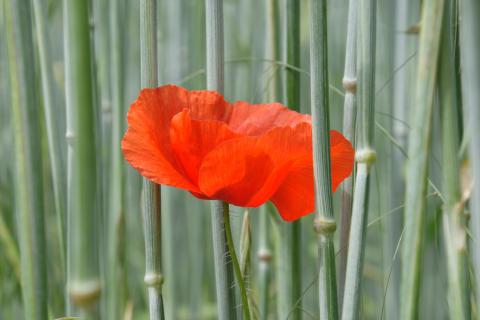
(295, 198)
(208, 105)
(143, 153)
(146, 144)
(192, 140)
(248, 171)
(235, 171)
(257, 119)
(157, 106)
(342, 157)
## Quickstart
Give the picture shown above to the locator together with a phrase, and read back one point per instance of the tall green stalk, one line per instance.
(418, 152)
(239, 274)
(365, 157)
(264, 254)
(55, 140)
(390, 227)
(116, 284)
(152, 231)
(151, 191)
(324, 222)
(9, 247)
(245, 247)
(172, 19)
(215, 81)
(349, 118)
(469, 49)
(69, 137)
(28, 166)
(83, 273)
(454, 220)
(405, 13)
(289, 290)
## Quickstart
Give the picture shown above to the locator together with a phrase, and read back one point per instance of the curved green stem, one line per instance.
(236, 265)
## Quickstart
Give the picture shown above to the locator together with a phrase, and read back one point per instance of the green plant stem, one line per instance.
(292, 54)
(324, 222)
(390, 227)
(170, 259)
(197, 230)
(290, 277)
(69, 137)
(469, 48)
(236, 265)
(28, 161)
(406, 14)
(83, 281)
(56, 152)
(153, 244)
(215, 81)
(264, 257)
(245, 246)
(365, 157)
(264, 254)
(172, 20)
(272, 49)
(10, 248)
(116, 284)
(349, 119)
(151, 191)
(223, 265)
(454, 220)
(215, 45)
(418, 152)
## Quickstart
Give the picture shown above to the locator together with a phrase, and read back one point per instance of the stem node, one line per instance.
(153, 279)
(324, 226)
(264, 255)
(366, 155)
(85, 293)
(70, 136)
(350, 85)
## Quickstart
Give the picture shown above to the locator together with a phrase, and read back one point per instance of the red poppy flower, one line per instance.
(240, 153)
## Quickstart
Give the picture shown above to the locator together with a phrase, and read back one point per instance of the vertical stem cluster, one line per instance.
(418, 152)
(151, 191)
(349, 118)
(290, 247)
(365, 157)
(116, 289)
(28, 181)
(215, 81)
(454, 221)
(469, 49)
(83, 282)
(324, 222)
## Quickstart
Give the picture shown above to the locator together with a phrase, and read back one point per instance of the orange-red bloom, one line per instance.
(240, 153)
